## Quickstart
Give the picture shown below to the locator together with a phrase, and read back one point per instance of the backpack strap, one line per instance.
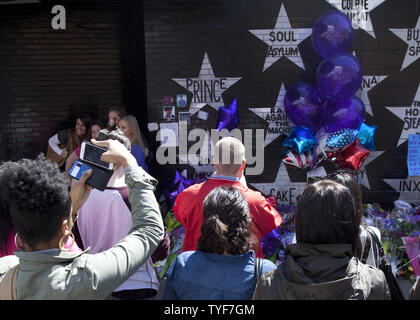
(8, 284)
(257, 273)
(366, 247)
(378, 251)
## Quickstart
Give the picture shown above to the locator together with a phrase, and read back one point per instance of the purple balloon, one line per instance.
(303, 105)
(339, 77)
(332, 34)
(347, 113)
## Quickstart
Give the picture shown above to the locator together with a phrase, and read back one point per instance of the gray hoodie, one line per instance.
(323, 272)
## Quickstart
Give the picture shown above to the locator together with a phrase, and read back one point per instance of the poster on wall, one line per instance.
(413, 155)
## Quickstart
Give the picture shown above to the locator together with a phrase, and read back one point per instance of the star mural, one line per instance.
(282, 40)
(408, 188)
(278, 122)
(206, 88)
(359, 14)
(411, 37)
(368, 83)
(202, 162)
(411, 117)
(284, 190)
(362, 173)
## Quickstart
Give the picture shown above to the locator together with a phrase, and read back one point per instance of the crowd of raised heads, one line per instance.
(62, 239)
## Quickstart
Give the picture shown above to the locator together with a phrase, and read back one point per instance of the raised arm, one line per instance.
(113, 266)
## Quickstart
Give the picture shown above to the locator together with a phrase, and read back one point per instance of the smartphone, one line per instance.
(77, 170)
(92, 154)
(99, 178)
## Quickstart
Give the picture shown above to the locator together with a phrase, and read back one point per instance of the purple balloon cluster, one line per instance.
(330, 104)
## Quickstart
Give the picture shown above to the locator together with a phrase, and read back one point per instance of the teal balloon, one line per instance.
(366, 136)
(300, 139)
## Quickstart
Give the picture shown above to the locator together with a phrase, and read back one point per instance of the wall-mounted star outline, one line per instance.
(368, 83)
(273, 130)
(361, 16)
(283, 185)
(412, 43)
(401, 112)
(206, 73)
(362, 173)
(408, 188)
(201, 163)
(281, 45)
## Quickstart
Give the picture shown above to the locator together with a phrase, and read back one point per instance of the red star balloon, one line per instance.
(352, 157)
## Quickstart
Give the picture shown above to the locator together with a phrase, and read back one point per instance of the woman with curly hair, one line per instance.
(43, 213)
(223, 267)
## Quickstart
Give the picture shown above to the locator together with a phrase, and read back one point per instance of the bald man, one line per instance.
(229, 162)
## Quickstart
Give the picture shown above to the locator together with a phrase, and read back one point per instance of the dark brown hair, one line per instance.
(326, 214)
(227, 226)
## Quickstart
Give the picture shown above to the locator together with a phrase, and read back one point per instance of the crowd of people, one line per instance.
(62, 239)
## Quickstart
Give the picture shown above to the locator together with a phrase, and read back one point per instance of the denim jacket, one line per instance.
(196, 275)
(67, 275)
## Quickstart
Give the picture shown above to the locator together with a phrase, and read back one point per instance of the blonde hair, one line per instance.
(134, 126)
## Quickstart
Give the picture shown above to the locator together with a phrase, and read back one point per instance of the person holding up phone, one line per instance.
(43, 211)
(104, 219)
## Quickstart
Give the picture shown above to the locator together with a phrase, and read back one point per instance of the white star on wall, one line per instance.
(202, 162)
(410, 116)
(283, 41)
(409, 188)
(368, 83)
(277, 120)
(207, 89)
(358, 14)
(362, 173)
(284, 190)
(407, 35)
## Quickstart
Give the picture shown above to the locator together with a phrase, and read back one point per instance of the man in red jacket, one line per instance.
(229, 162)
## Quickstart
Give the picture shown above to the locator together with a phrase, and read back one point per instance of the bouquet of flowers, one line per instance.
(274, 243)
(400, 231)
(176, 233)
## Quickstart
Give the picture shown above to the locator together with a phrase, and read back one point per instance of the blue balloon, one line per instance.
(339, 77)
(341, 139)
(300, 139)
(303, 105)
(332, 34)
(366, 136)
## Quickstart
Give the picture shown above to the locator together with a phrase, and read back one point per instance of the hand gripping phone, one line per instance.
(90, 158)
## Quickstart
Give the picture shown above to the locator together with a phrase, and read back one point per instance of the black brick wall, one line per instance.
(178, 33)
(47, 76)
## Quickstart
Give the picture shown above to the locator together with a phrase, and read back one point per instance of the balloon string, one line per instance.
(407, 262)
